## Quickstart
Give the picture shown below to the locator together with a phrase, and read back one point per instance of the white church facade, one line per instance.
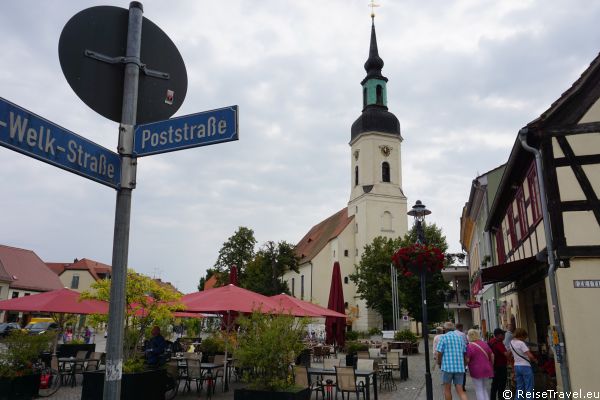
(377, 205)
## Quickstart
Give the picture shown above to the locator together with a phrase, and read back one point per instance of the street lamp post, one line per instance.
(419, 211)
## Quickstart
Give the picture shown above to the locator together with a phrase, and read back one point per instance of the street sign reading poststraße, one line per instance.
(34, 136)
(194, 130)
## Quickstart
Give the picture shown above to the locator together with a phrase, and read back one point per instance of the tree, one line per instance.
(209, 273)
(372, 277)
(409, 288)
(264, 272)
(147, 303)
(238, 250)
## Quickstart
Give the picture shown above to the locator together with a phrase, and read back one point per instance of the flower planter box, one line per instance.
(20, 388)
(147, 385)
(251, 394)
(70, 350)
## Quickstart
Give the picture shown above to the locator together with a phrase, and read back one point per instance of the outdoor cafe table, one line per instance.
(73, 363)
(208, 367)
(359, 374)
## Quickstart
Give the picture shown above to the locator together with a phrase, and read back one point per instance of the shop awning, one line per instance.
(509, 272)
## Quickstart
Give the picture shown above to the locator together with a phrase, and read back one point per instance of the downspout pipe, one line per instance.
(562, 360)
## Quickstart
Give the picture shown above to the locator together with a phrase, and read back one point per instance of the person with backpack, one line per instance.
(500, 364)
(523, 358)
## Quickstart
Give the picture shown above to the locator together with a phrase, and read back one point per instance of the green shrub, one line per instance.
(375, 331)
(406, 336)
(267, 345)
(21, 350)
(212, 345)
(353, 347)
(351, 335)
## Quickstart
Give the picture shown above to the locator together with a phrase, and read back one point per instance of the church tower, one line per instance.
(377, 201)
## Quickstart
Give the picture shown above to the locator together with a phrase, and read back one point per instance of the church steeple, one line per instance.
(374, 63)
(375, 116)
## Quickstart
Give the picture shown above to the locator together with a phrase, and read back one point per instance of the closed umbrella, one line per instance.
(335, 327)
(233, 275)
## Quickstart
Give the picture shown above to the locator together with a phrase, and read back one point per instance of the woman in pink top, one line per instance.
(480, 360)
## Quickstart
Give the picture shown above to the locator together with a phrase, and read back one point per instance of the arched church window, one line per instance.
(386, 221)
(379, 95)
(356, 176)
(364, 97)
(385, 171)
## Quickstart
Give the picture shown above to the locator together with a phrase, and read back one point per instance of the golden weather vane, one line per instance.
(373, 5)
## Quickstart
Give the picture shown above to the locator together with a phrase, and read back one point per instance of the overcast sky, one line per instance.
(464, 76)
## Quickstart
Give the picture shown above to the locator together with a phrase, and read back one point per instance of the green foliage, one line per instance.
(21, 350)
(375, 331)
(192, 326)
(351, 335)
(264, 272)
(209, 273)
(212, 345)
(148, 303)
(77, 341)
(267, 345)
(406, 336)
(238, 250)
(372, 277)
(352, 347)
(134, 364)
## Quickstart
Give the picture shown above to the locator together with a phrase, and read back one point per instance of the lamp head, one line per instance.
(419, 211)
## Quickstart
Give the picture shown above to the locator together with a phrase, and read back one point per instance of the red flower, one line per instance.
(417, 257)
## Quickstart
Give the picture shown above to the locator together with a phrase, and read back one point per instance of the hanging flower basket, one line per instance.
(413, 259)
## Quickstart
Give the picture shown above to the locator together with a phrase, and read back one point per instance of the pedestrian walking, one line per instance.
(460, 331)
(480, 360)
(500, 364)
(523, 358)
(451, 350)
(87, 336)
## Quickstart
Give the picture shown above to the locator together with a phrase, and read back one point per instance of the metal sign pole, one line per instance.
(116, 316)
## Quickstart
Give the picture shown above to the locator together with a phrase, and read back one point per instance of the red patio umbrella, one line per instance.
(60, 301)
(183, 314)
(335, 327)
(297, 306)
(227, 298)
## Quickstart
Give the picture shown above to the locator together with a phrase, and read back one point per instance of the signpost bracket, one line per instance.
(128, 172)
(127, 60)
(125, 143)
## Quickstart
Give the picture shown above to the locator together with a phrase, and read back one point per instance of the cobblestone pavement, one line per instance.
(411, 389)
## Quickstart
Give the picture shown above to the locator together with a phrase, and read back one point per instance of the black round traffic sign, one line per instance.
(103, 31)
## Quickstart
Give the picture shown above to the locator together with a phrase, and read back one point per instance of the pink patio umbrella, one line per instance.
(227, 299)
(335, 327)
(60, 301)
(298, 307)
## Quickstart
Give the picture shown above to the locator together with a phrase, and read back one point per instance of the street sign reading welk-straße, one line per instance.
(194, 130)
(34, 136)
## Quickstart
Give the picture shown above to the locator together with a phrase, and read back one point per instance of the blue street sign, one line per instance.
(201, 129)
(34, 136)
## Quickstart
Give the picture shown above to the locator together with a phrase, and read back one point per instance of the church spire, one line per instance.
(375, 116)
(374, 63)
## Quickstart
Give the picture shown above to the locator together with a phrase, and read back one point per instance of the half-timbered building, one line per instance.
(568, 137)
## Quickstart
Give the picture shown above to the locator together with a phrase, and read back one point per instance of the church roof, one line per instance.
(319, 235)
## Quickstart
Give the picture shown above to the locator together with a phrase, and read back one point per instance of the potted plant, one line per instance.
(409, 337)
(18, 378)
(351, 349)
(148, 303)
(267, 345)
(211, 346)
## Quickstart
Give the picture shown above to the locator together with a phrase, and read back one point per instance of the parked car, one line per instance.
(7, 327)
(38, 328)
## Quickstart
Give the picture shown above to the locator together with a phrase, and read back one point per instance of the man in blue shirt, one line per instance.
(156, 347)
(451, 358)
